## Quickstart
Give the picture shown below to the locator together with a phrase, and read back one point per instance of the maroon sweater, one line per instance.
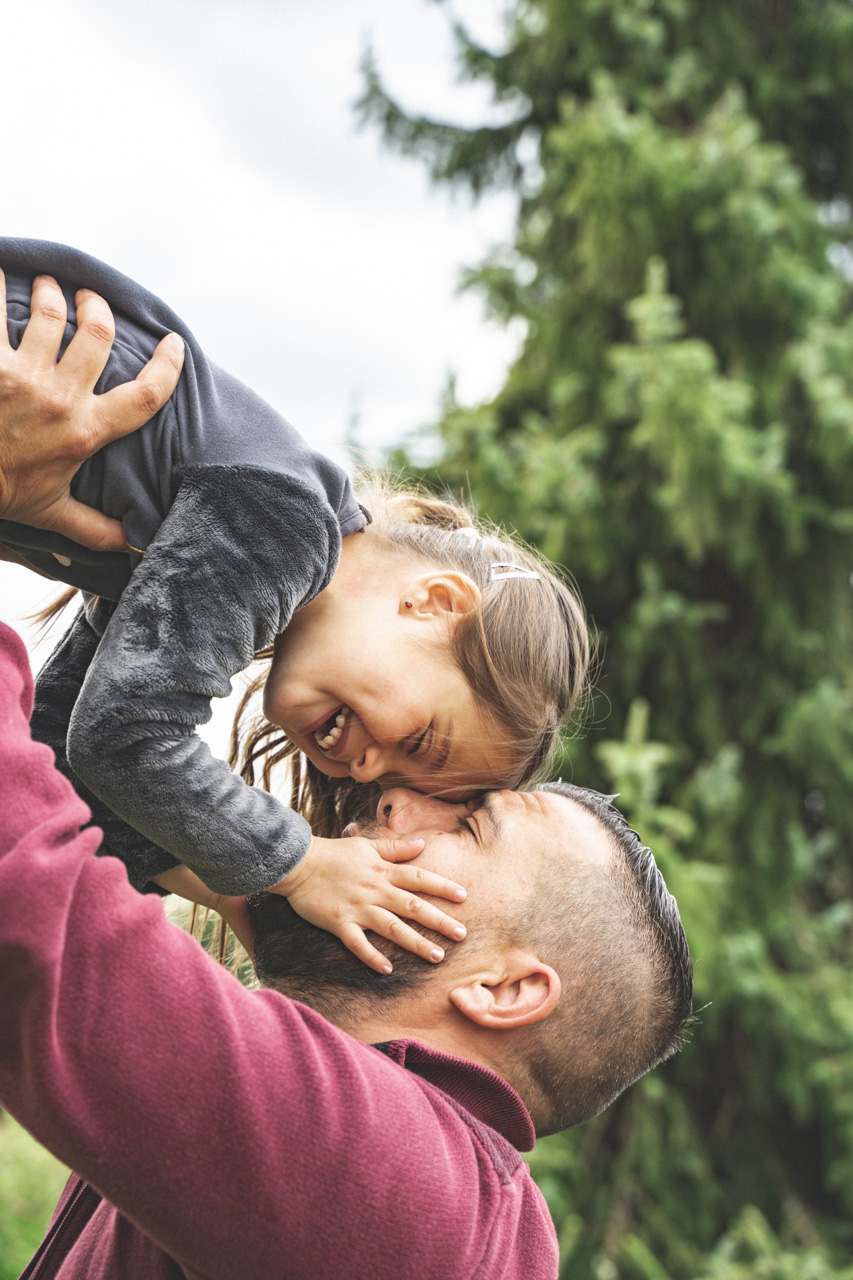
(219, 1132)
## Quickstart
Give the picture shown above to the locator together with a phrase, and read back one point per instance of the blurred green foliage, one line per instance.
(31, 1181)
(678, 431)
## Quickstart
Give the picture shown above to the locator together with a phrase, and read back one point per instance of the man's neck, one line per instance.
(445, 1031)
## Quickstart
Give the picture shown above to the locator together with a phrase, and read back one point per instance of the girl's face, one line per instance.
(368, 687)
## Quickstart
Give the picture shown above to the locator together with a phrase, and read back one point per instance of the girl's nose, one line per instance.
(370, 765)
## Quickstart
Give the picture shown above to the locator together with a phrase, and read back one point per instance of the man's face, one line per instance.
(496, 845)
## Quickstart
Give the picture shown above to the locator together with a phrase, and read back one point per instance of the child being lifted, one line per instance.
(406, 645)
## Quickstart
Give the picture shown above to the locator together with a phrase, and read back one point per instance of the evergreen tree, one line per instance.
(678, 431)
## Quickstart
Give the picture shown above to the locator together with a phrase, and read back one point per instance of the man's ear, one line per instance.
(440, 594)
(526, 992)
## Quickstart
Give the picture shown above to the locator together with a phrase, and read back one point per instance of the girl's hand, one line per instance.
(349, 885)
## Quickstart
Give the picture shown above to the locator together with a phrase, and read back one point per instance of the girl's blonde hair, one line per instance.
(524, 651)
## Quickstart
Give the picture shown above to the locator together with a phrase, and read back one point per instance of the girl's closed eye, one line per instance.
(424, 740)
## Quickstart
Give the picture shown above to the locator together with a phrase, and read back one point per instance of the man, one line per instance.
(229, 1133)
(371, 1130)
(575, 978)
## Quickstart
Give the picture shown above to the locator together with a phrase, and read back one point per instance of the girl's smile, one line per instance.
(412, 738)
(331, 736)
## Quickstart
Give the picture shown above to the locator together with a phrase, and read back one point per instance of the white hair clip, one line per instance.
(468, 531)
(503, 569)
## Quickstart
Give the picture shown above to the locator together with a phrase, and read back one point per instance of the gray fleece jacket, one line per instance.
(236, 523)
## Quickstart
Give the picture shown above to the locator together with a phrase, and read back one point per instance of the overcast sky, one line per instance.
(208, 149)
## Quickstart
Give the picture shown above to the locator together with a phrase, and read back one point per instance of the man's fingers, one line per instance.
(87, 526)
(127, 407)
(89, 350)
(46, 325)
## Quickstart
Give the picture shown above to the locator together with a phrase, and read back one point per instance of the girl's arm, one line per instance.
(346, 887)
(240, 550)
(185, 884)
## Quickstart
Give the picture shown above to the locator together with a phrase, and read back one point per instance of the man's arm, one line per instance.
(238, 1130)
(50, 420)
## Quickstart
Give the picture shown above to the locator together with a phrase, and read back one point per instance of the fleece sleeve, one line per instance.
(240, 550)
(57, 690)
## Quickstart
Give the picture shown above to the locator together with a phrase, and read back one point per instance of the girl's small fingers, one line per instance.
(403, 935)
(355, 941)
(423, 881)
(46, 326)
(399, 850)
(412, 907)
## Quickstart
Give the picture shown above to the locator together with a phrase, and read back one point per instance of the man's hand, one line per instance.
(50, 420)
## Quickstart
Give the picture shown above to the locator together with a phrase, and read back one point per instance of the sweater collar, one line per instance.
(486, 1095)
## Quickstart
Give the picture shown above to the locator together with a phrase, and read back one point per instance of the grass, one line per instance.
(31, 1181)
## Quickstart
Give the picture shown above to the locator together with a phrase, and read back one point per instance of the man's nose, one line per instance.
(401, 810)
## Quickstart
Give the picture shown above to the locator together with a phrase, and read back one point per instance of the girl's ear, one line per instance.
(435, 594)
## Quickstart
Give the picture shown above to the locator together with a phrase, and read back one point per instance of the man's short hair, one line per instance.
(627, 976)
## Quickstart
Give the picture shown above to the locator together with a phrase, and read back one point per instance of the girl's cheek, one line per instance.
(269, 704)
(274, 699)
(331, 768)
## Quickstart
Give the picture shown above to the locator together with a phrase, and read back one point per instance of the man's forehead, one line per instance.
(573, 830)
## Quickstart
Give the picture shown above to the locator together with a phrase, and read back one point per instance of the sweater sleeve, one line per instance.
(240, 550)
(238, 1130)
(57, 690)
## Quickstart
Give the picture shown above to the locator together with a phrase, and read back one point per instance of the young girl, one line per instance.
(409, 649)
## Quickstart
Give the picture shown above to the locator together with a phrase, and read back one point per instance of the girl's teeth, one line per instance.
(335, 732)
